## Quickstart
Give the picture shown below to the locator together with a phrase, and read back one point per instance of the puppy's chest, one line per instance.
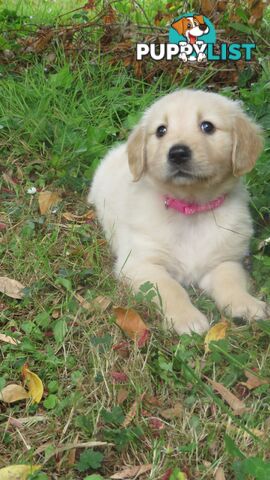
(199, 244)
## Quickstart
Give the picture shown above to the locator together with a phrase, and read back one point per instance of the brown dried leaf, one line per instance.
(39, 44)
(253, 381)
(132, 412)
(10, 287)
(256, 9)
(86, 217)
(130, 322)
(132, 472)
(110, 16)
(121, 396)
(176, 411)
(119, 377)
(8, 339)
(220, 475)
(13, 393)
(99, 303)
(46, 200)
(237, 405)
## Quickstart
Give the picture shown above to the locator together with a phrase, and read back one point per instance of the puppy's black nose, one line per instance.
(203, 26)
(179, 154)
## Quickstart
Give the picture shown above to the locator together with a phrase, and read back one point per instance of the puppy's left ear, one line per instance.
(247, 144)
(136, 150)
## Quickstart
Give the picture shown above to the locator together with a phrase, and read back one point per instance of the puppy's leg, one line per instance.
(176, 305)
(227, 285)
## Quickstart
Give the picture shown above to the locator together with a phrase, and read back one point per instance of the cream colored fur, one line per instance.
(163, 246)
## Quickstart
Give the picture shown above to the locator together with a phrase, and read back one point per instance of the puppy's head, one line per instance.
(191, 138)
(191, 25)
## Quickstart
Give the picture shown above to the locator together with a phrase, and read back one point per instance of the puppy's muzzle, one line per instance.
(179, 154)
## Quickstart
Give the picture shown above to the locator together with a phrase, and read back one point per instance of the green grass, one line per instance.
(57, 121)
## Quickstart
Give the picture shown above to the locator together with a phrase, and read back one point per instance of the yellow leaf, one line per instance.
(18, 472)
(46, 200)
(217, 332)
(13, 393)
(10, 287)
(34, 384)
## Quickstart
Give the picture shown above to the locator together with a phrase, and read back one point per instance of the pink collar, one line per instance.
(189, 208)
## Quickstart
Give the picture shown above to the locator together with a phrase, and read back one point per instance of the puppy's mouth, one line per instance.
(181, 173)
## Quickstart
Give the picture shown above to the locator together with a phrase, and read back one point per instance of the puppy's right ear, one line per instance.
(137, 152)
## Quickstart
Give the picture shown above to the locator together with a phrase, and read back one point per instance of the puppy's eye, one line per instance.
(207, 127)
(161, 130)
(189, 25)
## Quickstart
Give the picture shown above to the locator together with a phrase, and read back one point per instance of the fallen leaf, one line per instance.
(167, 474)
(119, 377)
(41, 43)
(67, 446)
(144, 338)
(26, 422)
(110, 16)
(86, 217)
(153, 401)
(46, 200)
(169, 413)
(156, 424)
(3, 226)
(11, 288)
(89, 5)
(217, 332)
(253, 381)
(131, 323)
(8, 339)
(256, 9)
(122, 348)
(18, 472)
(13, 393)
(132, 472)
(237, 405)
(132, 412)
(220, 475)
(121, 396)
(100, 303)
(33, 383)
(72, 453)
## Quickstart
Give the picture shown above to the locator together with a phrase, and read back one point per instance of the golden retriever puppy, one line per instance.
(173, 206)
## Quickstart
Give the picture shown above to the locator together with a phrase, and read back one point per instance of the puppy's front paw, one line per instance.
(188, 320)
(250, 309)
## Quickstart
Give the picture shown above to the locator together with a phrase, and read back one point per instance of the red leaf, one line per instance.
(156, 424)
(122, 348)
(119, 377)
(167, 474)
(144, 338)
